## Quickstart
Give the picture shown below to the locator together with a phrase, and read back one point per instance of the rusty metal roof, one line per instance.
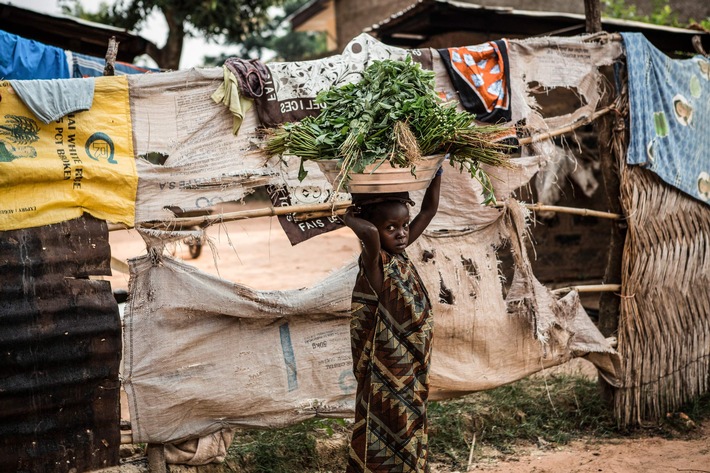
(70, 33)
(417, 24)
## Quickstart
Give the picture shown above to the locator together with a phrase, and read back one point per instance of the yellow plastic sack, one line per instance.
(82, 162)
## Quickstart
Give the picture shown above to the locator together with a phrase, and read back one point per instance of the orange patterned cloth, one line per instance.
(480, 76)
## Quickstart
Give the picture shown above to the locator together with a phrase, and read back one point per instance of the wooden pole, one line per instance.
(126, 437)
(593, 16)
(609, 302)
(156, 458)
(111, 52)
(570, 210)
(589, 288)
(206, 220)
(320, 210)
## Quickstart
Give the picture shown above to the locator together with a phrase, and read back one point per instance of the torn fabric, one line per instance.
(238, 357)
(188, 158)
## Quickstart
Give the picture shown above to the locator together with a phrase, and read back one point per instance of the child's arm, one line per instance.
(430, 205)
(370, 243)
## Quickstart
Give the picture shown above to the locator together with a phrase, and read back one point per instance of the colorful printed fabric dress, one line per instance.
(391, 344)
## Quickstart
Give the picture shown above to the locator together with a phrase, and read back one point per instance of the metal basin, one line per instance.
(386, 178)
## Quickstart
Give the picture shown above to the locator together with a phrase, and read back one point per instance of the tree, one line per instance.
(661, 14)
(277, 37)
(212, 19)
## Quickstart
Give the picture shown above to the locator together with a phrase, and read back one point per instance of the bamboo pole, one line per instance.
(207, 220)
(319, 210)
(565, 129)
(570, 210)
(589, 288)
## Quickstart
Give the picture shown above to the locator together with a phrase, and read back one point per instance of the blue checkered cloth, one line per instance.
(669, 103)
(90, 66)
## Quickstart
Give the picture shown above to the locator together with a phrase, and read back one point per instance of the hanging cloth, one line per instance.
(480, 75)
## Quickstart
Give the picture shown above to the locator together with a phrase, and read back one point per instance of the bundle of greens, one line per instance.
(392, 115)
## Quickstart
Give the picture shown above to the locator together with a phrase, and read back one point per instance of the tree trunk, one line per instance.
(593, 16)
(168, 57)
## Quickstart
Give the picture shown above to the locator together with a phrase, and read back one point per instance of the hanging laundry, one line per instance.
(251, 75)
(22, 58)
(669, 102)
(291, 87)
(90, 66)
(480, 75)
(50, 100)
(228, 94)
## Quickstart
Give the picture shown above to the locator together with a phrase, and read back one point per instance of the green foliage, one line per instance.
(705, 24)
(553, 410)
(211, 19)
(276, 36)
(76, 9)
(392, 115)
(291, 449)
(661, 14)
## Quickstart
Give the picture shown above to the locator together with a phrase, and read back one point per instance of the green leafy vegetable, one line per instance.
(392, 115)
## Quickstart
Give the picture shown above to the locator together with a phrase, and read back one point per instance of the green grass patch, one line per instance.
(545, 412)
(535, 410)
(313, 446)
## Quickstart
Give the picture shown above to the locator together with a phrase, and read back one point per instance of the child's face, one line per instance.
(392, 223)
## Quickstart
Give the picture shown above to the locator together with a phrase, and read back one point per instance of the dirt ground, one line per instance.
(257, 253)
(646, 455)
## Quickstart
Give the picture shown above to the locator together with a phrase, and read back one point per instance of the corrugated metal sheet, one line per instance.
(66, 32)
(419, 24)
(60, 348)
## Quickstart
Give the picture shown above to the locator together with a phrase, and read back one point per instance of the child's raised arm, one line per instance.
(370, 242)
(430, 205)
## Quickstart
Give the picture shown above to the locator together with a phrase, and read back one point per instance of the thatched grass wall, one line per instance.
(664, 324)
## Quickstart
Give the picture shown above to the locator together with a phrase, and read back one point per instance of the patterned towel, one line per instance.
(480, 75)
(669, 102)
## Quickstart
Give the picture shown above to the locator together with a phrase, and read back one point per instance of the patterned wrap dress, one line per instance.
(391, 345)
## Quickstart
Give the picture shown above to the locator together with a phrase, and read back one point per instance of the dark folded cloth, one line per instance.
(251, 75)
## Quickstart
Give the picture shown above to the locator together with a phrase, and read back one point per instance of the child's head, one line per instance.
(390, 214)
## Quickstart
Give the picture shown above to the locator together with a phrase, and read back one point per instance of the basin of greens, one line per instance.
(391, 117)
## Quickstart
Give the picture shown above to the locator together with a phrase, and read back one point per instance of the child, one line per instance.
(391, 336)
